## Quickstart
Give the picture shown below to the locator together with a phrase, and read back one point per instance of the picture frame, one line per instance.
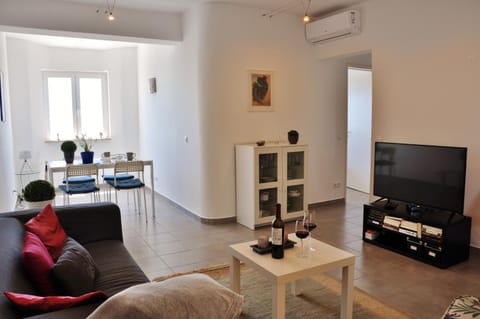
(3, 117)
(260, 90)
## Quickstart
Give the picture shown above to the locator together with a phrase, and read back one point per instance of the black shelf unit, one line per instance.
(444, 238)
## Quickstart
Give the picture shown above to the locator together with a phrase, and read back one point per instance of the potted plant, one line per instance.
(292, 137)
(68, 148)
(87, 154)
(38, 193)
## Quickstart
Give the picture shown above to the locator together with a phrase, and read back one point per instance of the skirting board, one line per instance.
(233, 219)
(328, 202)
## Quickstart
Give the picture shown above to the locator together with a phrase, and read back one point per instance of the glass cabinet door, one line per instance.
(295, 165)
(295, 195)
(268, 168)
(267, 199)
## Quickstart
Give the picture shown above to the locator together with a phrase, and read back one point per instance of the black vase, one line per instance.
(293, 137)
(87, 157)
(69, 156)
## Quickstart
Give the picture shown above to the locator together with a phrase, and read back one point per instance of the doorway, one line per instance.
(359, 127)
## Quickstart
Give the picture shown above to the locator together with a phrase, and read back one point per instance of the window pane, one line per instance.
(60, 107)
(91, 106)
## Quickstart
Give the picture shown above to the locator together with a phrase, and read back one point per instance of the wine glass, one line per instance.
(309, 225)
(301, 233)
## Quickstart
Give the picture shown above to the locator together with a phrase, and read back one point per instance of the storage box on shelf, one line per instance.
(266, 175)
(439, 238)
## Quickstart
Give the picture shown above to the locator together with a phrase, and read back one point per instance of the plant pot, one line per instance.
(87, 157)
(293, 137)
(40, 204)
(69, 157)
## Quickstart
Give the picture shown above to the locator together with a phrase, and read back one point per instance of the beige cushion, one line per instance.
(189, 296)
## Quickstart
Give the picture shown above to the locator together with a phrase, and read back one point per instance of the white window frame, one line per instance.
(75, 76)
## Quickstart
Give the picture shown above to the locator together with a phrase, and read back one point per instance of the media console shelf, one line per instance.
(438, 238)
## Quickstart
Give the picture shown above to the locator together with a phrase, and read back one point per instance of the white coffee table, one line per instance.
(292, 268)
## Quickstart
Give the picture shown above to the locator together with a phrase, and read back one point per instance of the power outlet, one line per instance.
(337, 184)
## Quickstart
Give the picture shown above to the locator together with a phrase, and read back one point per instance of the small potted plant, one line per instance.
(87, 154)
(292, 137)
(38, 193)
(68, 148)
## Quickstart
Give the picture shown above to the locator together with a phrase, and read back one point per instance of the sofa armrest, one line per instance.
(84, 222)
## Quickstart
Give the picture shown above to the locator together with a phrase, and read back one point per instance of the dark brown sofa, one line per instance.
(97, 227)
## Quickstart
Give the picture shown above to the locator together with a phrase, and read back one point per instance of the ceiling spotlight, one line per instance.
(306, 18)
(111, 17)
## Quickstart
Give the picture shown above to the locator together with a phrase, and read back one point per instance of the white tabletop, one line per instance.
(325, 257)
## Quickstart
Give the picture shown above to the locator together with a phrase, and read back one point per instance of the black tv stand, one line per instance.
(390, 204)
(439, 238)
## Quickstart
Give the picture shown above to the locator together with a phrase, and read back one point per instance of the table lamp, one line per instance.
(25, 156)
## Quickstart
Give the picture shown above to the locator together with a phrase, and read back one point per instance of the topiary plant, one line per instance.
(39, 190)
(68, 146)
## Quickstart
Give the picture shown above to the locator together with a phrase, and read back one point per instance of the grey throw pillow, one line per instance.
(190, 296)
(75, 271)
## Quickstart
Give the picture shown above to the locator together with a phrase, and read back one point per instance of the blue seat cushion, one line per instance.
(79, 179)
(120, 176)
(79, 188)
(127, 184)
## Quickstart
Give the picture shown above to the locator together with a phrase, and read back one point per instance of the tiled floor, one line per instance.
(175, 241)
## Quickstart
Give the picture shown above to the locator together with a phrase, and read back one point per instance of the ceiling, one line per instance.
(295, 7)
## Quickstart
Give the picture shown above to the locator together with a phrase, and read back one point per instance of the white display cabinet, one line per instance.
(266, 175)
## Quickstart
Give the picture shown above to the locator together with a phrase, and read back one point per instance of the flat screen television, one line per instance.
(424, 175)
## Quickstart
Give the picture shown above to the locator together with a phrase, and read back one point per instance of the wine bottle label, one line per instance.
(277, 236)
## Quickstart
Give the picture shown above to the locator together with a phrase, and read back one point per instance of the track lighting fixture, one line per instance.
(291, 5)
(108, 11)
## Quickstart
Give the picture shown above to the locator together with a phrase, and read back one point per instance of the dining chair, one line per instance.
(111, 177)
(80, 179)
(124, 168)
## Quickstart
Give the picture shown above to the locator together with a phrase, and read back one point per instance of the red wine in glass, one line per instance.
(309, 226)
(301, 234)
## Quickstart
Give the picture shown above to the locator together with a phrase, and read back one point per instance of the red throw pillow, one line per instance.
(38, 263)
(37, 304)
(47, 227)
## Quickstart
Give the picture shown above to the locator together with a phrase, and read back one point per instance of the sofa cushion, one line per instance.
(38, 264)
(31, 304)
(74, 272)
(116, 269)
(12, 274)
(190, 296)
(464, 307)
(47, 227)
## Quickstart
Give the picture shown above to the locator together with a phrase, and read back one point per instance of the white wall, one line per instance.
(80, 18)
(205, 97)
(7, 170)
(172, 114)
(29, 114)
(426, 66)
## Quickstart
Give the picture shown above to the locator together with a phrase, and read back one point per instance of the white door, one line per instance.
(359, 128)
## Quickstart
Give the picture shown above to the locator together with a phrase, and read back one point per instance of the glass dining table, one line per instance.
(52, 167)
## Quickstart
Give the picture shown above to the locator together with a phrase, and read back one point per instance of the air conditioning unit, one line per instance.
(332, 27)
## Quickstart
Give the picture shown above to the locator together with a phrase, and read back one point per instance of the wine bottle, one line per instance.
(278, 228)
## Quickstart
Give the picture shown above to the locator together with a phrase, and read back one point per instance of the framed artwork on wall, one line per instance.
(3, 117)
(260, 87)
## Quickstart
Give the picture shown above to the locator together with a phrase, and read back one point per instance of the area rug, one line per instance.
(320, 297)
